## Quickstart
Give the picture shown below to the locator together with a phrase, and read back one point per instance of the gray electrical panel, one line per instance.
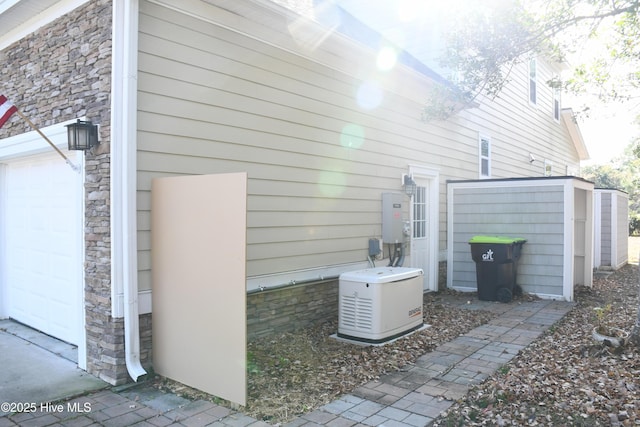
(392, 222)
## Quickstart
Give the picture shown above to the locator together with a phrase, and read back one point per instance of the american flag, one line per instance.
(6, 110)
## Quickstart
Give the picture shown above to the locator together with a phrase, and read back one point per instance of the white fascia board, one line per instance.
(614, 230)
(30, 143)
(7, 4)
(450, 189)
(510, 182)
(568, 246)
(4, 304)
(597, 236)
(50, 14)
(568, 118)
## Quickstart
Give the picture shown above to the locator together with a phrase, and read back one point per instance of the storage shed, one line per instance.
(611, 216)
(554, 215)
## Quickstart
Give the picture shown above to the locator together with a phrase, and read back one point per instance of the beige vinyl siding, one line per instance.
(516, 128)
(314, 199)
(233, 89)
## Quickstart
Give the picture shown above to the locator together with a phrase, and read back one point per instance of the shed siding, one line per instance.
(613, 210)
(622, 229)
(535, 213)
(605, 228)
(230, 89)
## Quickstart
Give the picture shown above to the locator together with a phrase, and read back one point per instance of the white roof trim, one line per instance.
(32, 24)
(568, 118)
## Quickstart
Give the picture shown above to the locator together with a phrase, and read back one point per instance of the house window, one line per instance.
(533, 95)
(556, 103)
(485, 156)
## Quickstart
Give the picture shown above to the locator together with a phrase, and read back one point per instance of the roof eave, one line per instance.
(569, 119)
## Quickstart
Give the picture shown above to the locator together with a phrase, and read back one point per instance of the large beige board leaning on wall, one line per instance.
(198, 235)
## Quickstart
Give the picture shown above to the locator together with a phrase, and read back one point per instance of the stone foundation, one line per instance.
(146, 349)
(281, 310)
(105, 349)
(442, 275)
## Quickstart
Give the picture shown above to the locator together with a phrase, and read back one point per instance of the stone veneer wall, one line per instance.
(146, 350)
(280, 310)
(60, 72)
(442, 275)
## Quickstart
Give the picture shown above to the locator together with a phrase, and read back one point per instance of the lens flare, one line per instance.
(369, 95)
(332, 183)
(387, 59)
(352, 136)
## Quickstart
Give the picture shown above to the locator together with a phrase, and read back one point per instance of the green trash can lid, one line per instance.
(497, 239)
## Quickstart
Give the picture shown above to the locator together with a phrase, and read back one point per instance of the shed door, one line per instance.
(43, 248)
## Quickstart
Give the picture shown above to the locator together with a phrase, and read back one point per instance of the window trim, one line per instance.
(533, 82)
(482, 138)
(556, 101)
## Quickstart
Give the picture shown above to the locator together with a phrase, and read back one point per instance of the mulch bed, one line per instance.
(296, 372)
(563, 378)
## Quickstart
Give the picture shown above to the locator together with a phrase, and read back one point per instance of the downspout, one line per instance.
(123, 178)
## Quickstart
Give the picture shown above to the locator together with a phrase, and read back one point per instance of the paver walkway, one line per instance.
(414, 396)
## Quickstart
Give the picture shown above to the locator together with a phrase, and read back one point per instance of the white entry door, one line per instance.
(43, 260)
(424, 226)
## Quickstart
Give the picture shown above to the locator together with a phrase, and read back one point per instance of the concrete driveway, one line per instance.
(36, 368)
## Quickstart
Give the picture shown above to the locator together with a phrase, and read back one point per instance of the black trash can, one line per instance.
(496, 261)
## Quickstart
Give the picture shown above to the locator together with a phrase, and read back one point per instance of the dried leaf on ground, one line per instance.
(296, 372)
(565, 377)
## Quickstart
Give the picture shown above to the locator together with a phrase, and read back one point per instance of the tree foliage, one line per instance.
(488, 38)
(485, 40)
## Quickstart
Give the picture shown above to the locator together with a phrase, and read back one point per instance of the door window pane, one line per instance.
(420, 213)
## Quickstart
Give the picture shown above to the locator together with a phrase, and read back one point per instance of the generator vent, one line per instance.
(356, 312)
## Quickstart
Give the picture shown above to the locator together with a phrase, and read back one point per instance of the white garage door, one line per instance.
(43, 247)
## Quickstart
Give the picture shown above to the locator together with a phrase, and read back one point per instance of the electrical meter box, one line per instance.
(392, 223)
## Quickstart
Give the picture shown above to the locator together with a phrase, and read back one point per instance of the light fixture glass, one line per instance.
(82, 135)
(409, 185)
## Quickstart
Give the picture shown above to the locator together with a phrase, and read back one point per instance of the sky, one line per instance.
(607, 138)
(607, 131)
(609, 128)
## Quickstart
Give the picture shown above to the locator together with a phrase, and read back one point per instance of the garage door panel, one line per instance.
(20, 302)
(59, 323)
(44, 245)
(60, 268)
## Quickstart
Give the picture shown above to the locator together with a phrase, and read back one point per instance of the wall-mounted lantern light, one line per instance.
(82, 135)
(409, 185)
